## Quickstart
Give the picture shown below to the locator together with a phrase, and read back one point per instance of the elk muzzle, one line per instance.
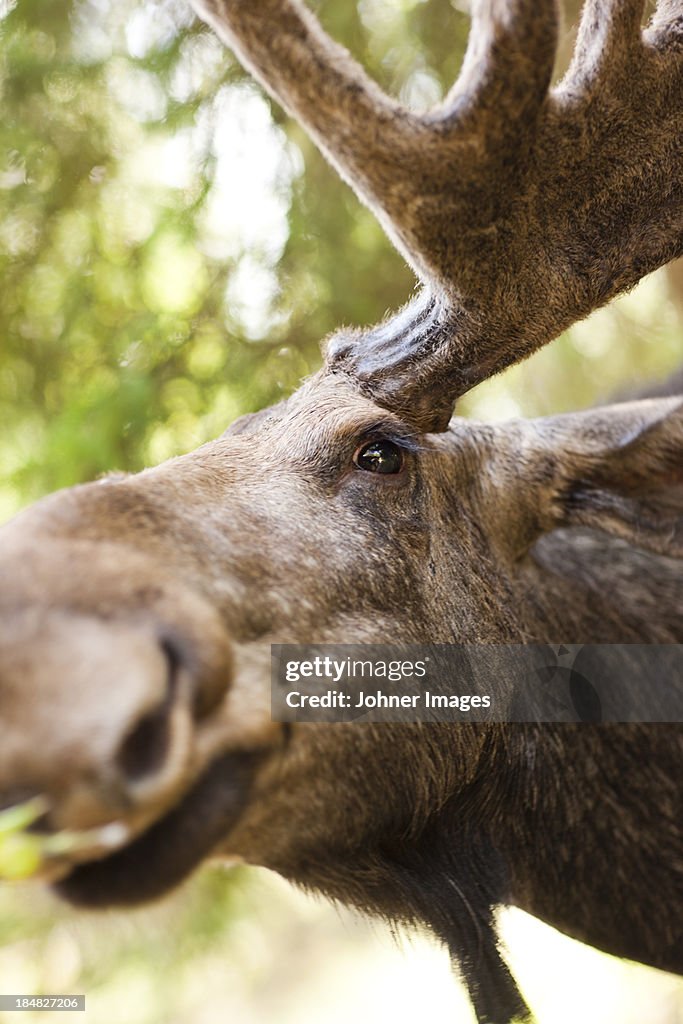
(60, 740)
(105, 696)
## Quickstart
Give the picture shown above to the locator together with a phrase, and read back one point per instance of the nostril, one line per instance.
(207, 694)
(146, 748)
(174, 659)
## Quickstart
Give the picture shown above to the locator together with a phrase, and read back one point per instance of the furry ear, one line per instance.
(618, 469)
(634, 487)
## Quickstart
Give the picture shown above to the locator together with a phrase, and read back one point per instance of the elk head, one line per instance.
(136, 613)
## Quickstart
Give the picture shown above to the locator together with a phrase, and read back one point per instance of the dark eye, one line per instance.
(379, 457)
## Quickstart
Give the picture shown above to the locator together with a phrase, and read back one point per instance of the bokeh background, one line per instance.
(172, 251)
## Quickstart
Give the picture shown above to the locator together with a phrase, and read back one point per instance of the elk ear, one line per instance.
(618, 469)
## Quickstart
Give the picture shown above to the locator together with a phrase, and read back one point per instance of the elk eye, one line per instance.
(379, 457)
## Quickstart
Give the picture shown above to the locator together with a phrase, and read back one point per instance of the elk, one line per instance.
(137, 612)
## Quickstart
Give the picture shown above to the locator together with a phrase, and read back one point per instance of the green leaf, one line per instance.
(20, 856)
(19, 817)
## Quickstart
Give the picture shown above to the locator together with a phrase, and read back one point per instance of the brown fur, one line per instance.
(137, 613)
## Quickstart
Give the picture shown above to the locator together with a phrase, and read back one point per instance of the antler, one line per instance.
(521, 207)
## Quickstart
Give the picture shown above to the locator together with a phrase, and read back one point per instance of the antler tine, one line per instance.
(667, 24)
(598, 205)
(481, 143)
(609, 33)
(508, 63)
(369, 137)
(395, 159)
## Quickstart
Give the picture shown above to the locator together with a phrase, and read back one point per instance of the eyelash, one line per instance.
(405, 442)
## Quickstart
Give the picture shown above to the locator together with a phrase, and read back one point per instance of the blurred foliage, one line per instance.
(172, 251)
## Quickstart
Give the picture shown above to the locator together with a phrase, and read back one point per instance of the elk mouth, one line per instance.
(170, 849)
